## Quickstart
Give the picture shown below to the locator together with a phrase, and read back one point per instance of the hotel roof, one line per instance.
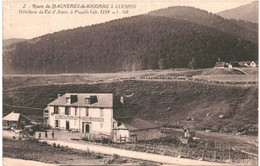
(103, 100)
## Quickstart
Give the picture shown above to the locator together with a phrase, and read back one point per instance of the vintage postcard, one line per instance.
(130, 82)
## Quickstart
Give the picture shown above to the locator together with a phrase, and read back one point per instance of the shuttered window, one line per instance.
(67, 110)
(56, 110)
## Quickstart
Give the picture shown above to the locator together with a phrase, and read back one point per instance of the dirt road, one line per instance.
(130, 154)
(64, 139)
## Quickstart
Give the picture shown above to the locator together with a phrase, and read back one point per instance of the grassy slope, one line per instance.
(32, 150)
(248, 12)
(37, 151)
(238, 28)
(11, 81)
(162, 101)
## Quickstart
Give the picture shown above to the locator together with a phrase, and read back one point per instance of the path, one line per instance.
(64, 139)
(242, 71)
(130, 154)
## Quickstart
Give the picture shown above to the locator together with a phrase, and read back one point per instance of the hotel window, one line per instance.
(56, 110)
(87, 112)
(101, 112)
(46, 111)
(56, 123)
(87, 100)
(67, 110)
(101, 125)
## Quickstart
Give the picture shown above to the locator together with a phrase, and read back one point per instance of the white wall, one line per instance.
(51, 116)
(97, 122)
(103, 124)
(123, 133)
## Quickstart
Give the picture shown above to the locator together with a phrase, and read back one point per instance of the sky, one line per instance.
(30, 25)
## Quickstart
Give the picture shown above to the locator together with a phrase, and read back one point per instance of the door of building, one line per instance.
(67, 125)
(85, 127)
(133, 138)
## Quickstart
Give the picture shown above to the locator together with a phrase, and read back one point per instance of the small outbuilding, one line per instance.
(188, 132)
(132, 129)
(220, 65)
(253, 64)
(15, 120)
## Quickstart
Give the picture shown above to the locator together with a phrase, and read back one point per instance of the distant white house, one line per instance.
(248, 64)
(236, 64)
(253, 64)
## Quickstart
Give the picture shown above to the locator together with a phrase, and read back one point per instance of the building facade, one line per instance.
(83, 112)
(92, 114)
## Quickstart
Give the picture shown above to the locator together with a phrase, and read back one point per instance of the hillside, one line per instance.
(245, 30)
(12, 41)
(136, 43)
(166, 102)
(247, 12)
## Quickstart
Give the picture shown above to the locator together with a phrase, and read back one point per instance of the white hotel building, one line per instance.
(83, 112)
(93, 114)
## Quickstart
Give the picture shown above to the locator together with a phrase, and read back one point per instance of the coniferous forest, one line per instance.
(177, 37)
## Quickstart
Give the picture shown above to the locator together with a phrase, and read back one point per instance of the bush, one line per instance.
(44, 143)
(99, 156)
(54, 145)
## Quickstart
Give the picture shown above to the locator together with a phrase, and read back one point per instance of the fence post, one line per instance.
(203, 153)
(215, 148)
(188, 152)
(247, 155)
(206, 148)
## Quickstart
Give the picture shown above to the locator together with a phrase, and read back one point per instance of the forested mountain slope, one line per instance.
(135, 43)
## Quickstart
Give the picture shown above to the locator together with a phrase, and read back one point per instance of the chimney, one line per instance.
(122, 99)
(58, 95)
